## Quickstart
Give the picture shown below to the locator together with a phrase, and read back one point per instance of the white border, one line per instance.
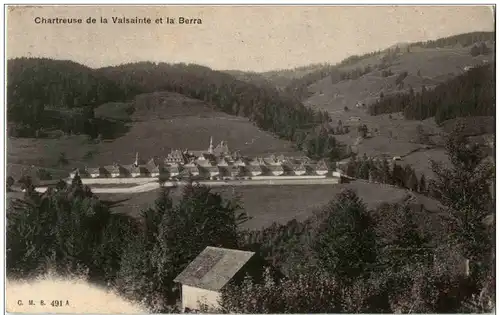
(194, 2)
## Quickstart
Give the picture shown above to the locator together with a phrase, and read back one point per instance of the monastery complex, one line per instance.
(216, 163)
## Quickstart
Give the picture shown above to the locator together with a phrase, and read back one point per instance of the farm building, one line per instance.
(203, 279)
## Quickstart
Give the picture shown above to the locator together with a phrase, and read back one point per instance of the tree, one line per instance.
(402, 243)
(386, 172)
(138, 277)
(422, 185)
(26, 183)
(10, 182)
(345, 245)
(310, 292)
(412, 183)
(464, 191)
(363, 131)
(62, 160)
(352, 166)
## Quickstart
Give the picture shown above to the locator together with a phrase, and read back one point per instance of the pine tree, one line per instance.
(345, 245)
(464, 191)
(422, 185)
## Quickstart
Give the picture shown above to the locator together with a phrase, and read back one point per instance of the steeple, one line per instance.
(136, 163)
(211, 146)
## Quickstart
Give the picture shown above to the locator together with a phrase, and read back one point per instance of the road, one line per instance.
(152, 185)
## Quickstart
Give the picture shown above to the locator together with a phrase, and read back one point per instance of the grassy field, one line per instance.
(268, 204)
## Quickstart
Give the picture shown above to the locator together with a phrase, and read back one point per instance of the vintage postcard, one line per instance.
(250, 159)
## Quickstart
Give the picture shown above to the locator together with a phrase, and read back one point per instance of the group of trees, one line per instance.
(380, 171)
(462, 39)
(470, 94)
(343, 259)
(45, 94)
(480, 49)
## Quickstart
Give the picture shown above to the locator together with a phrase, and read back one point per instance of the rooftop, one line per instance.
(213, 268)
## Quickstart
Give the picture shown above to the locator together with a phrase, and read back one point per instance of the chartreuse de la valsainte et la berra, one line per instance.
(118, 20)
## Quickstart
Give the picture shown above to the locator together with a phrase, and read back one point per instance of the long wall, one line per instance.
(143, 180)
(152, 185)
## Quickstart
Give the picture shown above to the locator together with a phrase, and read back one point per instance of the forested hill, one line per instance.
(38, 89)
(270, 110)
(470, 94)
(37, 86)
(58, 84)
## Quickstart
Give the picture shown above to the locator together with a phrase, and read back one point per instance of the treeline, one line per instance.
(469, 94)
(344, 259)
(380, 171)
(45, 94)
(464, 40)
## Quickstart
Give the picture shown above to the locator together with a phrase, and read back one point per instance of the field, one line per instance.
(160, 122)
(268, 204)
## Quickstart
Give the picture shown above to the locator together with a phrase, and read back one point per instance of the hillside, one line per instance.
(347, 91)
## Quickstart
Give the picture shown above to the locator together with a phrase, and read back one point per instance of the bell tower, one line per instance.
(136, 162)
(211, 146)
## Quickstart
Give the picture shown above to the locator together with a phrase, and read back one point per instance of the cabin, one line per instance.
(192, 168)
(204, 278)
(321, 168)
(239, 162)
(154, 167)
(235, 171)
(116, 170)
(222, 162)
(173, 170)
(276, 170)
(272, 160)
(255, 170)
(136, 170)
(213, 171)
(299, 169)
(98, 172)
(397, 158)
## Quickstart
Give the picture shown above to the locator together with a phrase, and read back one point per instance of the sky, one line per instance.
(256, 38)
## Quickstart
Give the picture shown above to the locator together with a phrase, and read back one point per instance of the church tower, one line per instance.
(211, 146)
(136, 163)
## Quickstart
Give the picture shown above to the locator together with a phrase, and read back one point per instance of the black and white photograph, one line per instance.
(245, 158)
